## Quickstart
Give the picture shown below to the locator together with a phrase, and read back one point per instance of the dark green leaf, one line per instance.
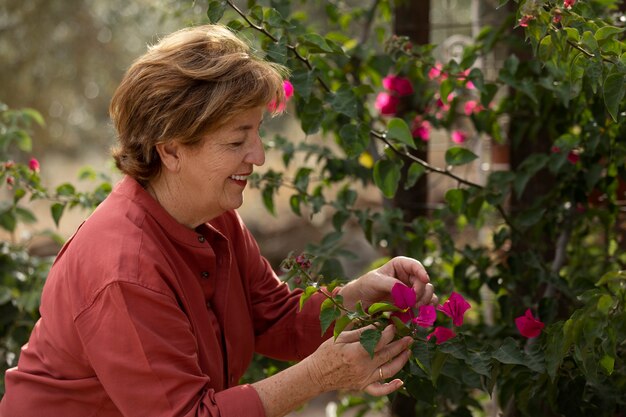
(345, 101)
(387, 176)
(398, 130)
(413, 175)
(57, 211)
(613, 93)
(459, 156)
(369, 339)
(216, 10)
(328, 316)
(456, 199)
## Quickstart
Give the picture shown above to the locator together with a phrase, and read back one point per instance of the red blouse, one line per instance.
(141, 316)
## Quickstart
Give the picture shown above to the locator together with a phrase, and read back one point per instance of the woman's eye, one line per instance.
(237, 144)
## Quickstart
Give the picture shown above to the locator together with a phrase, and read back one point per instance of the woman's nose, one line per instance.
(256, 155)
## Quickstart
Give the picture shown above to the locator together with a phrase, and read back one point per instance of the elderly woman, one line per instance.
(157, 303)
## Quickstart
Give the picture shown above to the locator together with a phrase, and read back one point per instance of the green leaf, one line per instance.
(311, 114)
(315, 43)
(66, 189)
(216, 10)
(437, 365)
(328, 316)
(607, 32)
(607, 363)
(413, 175)
(459, 156)
(57, 211)
(294, 203)
(308, 292)
(345, 102)
(398, 130)
(456, 199)
(34, 116)
(613, 89)
(268, 199)
(510, 353)
(25, 215)
(8, 220)
(369, 339)
(353, 139)
(340, 324)
(302, 81)
(386, 177)
(380, 307)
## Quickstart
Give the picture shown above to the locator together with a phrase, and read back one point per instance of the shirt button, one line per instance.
(201, 239)
(204, 274)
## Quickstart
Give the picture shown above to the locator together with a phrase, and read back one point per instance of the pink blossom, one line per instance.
(556, 19)
(455, 307)
(458, 136)
(405, 298)
(421, 129)
(426, 316)
(288, 87)
(568, 4)
(524, 20)
(400, 85)
(437, 72)
(10, 181)
(33, 164)
(303, 261)
(472, 106)
(386, 103)
(442, 334)
(528, 325)
(289, 90)
(573, 157)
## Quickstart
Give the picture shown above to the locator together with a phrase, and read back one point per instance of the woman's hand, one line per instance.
(376, 285)
(345, 364)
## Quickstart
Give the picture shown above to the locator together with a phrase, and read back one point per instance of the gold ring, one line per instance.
(380, 373)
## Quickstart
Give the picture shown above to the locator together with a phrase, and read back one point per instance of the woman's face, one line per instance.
(215, 171)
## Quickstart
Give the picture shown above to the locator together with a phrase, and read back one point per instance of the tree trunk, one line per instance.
(412, 19)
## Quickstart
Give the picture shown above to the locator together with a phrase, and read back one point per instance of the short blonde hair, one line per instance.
(190, 83)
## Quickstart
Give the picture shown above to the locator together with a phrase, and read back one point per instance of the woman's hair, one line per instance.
(190, 83)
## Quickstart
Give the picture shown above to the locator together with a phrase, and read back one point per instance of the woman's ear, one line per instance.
(169, 152)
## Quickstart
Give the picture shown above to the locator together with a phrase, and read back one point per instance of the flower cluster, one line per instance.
(455, 307)
(396, 87)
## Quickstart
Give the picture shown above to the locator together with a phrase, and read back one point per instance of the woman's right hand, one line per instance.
(344, 364)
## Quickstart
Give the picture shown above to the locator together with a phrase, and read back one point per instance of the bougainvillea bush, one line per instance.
(532, 317)
(545, 334)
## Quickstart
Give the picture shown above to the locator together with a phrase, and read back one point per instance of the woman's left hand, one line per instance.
(376, 285)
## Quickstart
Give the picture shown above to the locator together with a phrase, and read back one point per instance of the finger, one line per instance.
(351, 336)
(394, 366)
(405, 269)
(378, 389)
(393, 349)
(387, 336)
(427, 295)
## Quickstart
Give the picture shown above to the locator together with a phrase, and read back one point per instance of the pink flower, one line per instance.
(10, 181)
(303, 261)
(288, 87)
(472, 106)
(421, 129)
(568, 4)
(405, 298)
(426, 316)
(524, 20)
(400, 85)
(458, 136)
(573, 157)
(455, 307)
(437, 72)
(442, 334)
(529, 326)
(33, 164)
(556, 19)
(386, 103)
